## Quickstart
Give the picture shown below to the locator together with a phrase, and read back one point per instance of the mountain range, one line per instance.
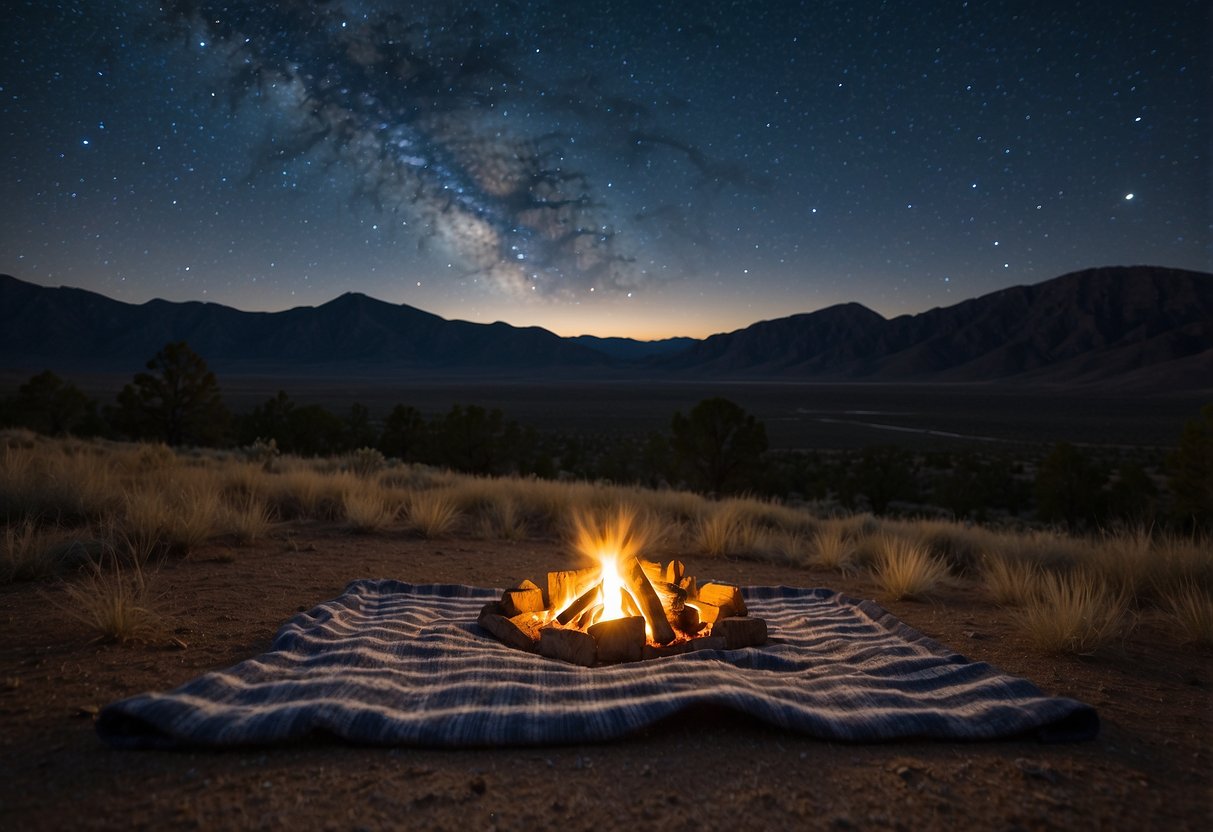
(1141, 326)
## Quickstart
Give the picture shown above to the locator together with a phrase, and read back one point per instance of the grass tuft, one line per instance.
(114, 601)
(368, 510)
(832, 550)
(1076, 612)
(1011, 582)
(432, 514)
(1190, 609)
(905, 569)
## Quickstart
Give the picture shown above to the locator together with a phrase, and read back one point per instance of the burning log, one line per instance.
(688, 620)
(622, 609)
(587, 599)
(728, 598)
(687, 585)
(572, 646)
(634, 579)
(741, 632)
(588, 617)
(675, 571)
(620, 639)
(708, 613)
(570, 583)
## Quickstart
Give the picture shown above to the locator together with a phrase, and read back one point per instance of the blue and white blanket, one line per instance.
(392, 663)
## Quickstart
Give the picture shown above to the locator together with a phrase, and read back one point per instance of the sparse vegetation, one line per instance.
(905, 569)
(432, 514)
(1190, 608)
(67, 503)
(1011, 582)
(1076, 612)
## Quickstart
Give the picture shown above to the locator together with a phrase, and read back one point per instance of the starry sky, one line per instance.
(645, 169)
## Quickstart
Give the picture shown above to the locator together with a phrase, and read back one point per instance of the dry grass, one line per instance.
(1075, 612)
(151, 500)
(832, 550)
(114, 601)
(368, 509)
(1012, 583)
(24, 554)
(247, 520)
(905, 569)
(502, 520)
(1190, 610)
(432, 514)
(728, 528)
(960, 546)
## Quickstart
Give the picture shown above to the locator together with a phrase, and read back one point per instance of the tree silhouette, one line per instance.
(177, 402)
(404, 433)
(1190, 470)
(52, 406)
(718, 446)
(1069, 487)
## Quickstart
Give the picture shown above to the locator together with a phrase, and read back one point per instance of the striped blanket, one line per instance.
(390, 663)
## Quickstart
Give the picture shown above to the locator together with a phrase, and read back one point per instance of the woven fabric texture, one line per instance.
(392, 663)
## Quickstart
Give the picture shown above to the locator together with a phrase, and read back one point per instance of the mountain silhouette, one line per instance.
(1139, 326)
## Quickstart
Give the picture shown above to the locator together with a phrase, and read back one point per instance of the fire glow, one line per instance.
(622, 608)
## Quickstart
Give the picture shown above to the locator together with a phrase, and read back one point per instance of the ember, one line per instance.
(623, 609)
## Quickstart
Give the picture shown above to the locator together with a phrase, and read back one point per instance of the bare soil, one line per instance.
(1148, 769)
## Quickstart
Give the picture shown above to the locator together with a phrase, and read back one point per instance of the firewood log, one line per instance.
(741, 632)
(724, 596)
(619, 639)
(522, 600)
(504, 630)
(563, 586)
(660, 652)
(634, 579)
(588, 617)
(675, 571)
(586, 599)
(688, 621)
(572, 646)
(652, 571)
(708, 613)
(688, 585)
(529, 623)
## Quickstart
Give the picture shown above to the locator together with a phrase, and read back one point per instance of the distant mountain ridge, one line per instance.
(1139, 326)
(1134, 324)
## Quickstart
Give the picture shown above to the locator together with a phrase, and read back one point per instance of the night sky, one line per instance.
(616, 168)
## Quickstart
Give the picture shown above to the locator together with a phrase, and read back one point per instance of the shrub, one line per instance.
(365, 462)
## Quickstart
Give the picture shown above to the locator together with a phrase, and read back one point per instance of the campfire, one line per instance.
(621, 609)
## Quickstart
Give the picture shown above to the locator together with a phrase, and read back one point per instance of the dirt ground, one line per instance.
(1148, 769)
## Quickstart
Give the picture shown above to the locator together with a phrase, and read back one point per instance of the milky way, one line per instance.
(409, 108)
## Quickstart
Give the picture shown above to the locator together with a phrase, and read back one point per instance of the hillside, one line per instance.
(1141, 327)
